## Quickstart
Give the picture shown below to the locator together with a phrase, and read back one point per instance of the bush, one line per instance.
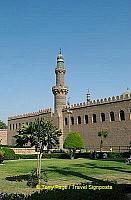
(118, 155)
(27, 156)
(45, 155)
(56, 155)
(83, 155)
(33, 179)
(1, 156)
(9, 154)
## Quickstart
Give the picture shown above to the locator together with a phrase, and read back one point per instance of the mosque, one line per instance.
(112, 114)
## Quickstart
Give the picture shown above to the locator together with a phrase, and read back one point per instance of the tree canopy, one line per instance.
(103, 133)
(39, 133)
(3, 125)
(73, 141)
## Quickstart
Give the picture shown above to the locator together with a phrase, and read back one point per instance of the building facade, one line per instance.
(112, 114)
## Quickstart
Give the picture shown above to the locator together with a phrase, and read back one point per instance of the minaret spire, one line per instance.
(88, 96)
(59, 90)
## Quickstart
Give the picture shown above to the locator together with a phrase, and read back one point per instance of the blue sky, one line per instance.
(95, 37)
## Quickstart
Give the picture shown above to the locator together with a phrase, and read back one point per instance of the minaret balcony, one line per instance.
(60, 70)
(59, 89)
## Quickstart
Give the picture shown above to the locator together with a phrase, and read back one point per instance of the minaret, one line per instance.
(59, 90)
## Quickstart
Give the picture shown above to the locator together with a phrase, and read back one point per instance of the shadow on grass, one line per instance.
(118, 192)
(68, 172)
(94, 181)
(20, 178)
(93, 165)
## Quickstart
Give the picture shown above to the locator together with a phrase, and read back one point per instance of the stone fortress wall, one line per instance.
(3, 136)
(112, 114)
(16, 122)
(89, 118)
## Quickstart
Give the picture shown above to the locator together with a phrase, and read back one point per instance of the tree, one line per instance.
(3, 125)
(72, 142)
(102, 134)
(39, 133)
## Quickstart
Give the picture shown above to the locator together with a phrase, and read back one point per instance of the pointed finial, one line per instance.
(60, 51)
(88, 96)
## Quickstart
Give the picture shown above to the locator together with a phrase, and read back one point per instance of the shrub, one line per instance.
(45, 155)
(118, 155)
(33, 179)
(56, 155)
(9, 154)
(27, 156)
(83, 155)
(1, 156)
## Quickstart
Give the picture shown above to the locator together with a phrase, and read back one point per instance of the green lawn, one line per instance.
(63, 172)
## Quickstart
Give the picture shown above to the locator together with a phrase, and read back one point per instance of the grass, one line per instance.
(63, 172)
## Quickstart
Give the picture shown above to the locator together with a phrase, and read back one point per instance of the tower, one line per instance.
(59, 90)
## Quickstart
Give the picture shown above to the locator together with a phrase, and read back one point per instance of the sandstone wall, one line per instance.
(3, 136)
(120, 130)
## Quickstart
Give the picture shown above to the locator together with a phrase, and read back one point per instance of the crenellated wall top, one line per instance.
(100, 101)
(42, 111)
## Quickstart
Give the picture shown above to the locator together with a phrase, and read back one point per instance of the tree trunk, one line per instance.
(37, 164)
(101, 145)
(72, 153)
(40, 156)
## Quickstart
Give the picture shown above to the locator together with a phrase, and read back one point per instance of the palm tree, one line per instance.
(39, 133)
(102, 134)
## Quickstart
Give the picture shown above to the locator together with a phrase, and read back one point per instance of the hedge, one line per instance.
(118, 155)
(9, 154)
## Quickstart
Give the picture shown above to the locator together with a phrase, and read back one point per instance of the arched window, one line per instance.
(66, 123)
(86, 119)
(16, 126)
(27, 123)
(112, 116)
(19, 125)
(10, 127)
(13, 126)
(79, 120)
(94, 118)
(102, 117)
(72, 120)
(122, 115)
